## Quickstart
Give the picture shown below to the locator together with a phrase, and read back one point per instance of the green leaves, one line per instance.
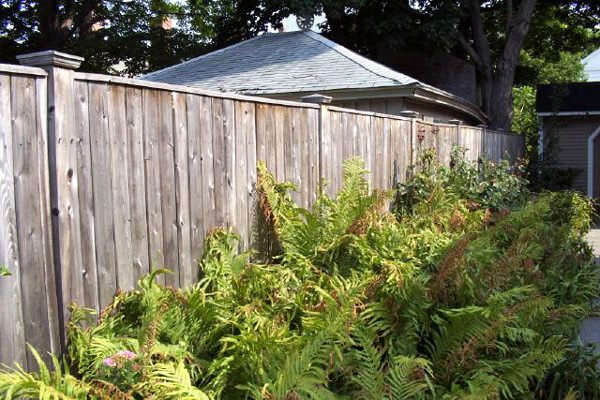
(450, 297)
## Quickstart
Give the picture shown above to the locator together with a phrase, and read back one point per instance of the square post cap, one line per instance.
(409, 114)
(50, 58)
(317, 99)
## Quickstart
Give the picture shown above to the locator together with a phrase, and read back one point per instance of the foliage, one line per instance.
(576, 373)
(449, 298)
(131, 37)
(485, 184)
(567, 68)
(4, 271)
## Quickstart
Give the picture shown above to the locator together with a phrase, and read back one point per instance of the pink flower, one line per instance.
(109, 362)
(126, 354)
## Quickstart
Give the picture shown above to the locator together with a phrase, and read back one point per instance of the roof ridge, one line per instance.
(211, 53)
(352, 56)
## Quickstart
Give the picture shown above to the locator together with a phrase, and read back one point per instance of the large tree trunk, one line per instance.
(57, 20)
(501, 102)
(496, 82)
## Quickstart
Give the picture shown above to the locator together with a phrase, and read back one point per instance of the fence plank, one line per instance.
(251, 154)
(102, 182)
(31, 237)
(243, 128)
(137, 183)
(120, 182)
(152, 166)
(229, 163)
(182, 190)
(196, 186)
(218, 143)
(86, 195)
(167, 188)
(208, 168)
(12, 335)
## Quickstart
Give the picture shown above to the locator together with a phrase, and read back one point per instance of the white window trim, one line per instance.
(590, 163)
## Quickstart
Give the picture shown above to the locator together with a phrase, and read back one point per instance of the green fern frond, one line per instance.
(45, 385)
(172, 381)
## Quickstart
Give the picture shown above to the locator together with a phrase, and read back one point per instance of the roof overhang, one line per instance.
(419, 92)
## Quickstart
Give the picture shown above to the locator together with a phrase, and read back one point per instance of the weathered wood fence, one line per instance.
(105, 178)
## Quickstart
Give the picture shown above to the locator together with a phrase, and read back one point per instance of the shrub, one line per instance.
(449, 297)
(483, 184)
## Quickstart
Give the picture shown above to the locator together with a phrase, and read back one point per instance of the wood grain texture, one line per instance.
(137, 183)
(103, 195)
(86, 195)
(12, 335)
(187, 275)
(196, 186)
(152, 165)
(120, 187)
(29, 216)
(167, 187)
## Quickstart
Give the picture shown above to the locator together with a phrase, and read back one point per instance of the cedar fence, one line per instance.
(104, 178)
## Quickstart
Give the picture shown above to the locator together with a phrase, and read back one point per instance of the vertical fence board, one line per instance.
(208, 167)
(137, 183)
(313, 150)
(196, 187)
(242, 123)
(229, 163)
(30, 235)
(249, 125)
(152, 166)
(120, 182)
(187, 268)
(86, 195)
(219, 160)
(167, 188)
(12, 335)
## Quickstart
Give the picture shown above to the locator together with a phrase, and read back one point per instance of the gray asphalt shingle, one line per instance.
(281, 63)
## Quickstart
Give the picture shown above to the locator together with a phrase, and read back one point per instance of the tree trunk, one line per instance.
(49, 17)
(56, 22)
(501, 102)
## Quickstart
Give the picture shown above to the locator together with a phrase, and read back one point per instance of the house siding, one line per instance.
(566, 141)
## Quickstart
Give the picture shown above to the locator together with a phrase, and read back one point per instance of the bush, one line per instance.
(452, 296)
(483, 184)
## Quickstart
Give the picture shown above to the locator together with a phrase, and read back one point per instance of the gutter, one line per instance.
(435, 96)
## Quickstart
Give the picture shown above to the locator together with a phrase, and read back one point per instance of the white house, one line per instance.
(591, 66)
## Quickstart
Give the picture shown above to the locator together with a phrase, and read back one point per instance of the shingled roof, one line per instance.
(282, 63)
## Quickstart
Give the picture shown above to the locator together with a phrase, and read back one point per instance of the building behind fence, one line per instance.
(103, 179)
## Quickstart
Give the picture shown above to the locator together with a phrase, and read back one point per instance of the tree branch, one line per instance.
(479, 38)
(85, 19)
(518, 30)
(470, 51)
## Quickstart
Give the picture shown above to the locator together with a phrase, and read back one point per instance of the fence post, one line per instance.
(62, 158)
(323, 102)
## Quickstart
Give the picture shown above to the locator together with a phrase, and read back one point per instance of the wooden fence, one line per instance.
(103, 179)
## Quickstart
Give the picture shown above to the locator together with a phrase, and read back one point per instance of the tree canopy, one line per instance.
(508, 41)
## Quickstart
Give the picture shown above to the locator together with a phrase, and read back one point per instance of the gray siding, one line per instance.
(565, 141)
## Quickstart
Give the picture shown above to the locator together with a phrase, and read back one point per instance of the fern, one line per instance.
(44, 385)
